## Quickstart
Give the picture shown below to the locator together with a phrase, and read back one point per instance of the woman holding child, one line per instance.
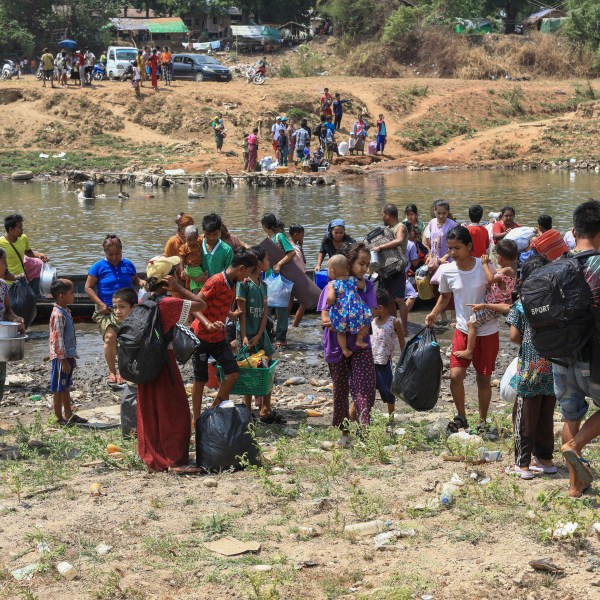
(104, 278)
(355, 374)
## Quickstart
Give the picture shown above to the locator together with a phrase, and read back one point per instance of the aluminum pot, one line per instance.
(47, 277)
(8, 329)
(12, 349)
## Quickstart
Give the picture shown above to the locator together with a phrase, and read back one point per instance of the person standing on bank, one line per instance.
(465, 279)
(395, 284)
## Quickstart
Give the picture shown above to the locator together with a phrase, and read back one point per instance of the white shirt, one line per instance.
(90, 59)
(275, 130)
(468, 287)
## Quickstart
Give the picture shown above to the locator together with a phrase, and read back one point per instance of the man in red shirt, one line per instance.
(218, 293)
(479, 234)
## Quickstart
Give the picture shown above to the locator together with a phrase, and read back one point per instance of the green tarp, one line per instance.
(174, 25)
(552, 25)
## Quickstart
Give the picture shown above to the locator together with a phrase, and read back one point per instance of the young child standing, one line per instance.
(190, 256)
(533, 411)
(218, 293)
(123, 302)
(501, 285)
(251, 296)
(351, 143)
(63, 351)
(136, 78)
(479, 234)
(386, 329)
(297, 236)
(347, 312)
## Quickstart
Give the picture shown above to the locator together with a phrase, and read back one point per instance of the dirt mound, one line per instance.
(10, 95)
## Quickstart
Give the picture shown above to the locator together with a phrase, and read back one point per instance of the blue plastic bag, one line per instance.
(279, 291)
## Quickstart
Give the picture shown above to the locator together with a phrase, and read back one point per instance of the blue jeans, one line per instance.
(571, 386)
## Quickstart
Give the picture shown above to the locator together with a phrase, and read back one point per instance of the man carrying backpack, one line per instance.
(581, 377)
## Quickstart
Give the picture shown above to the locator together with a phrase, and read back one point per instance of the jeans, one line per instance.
(571, 386)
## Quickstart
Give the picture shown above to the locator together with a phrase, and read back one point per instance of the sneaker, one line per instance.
(522, 473)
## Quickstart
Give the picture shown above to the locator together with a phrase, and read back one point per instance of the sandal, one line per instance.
(538, 467)
(274, 417)
(486, 432)
(120, 380)
(112, 379)
(522, 473)
(77, 419)
(580, 465)
(459, 422)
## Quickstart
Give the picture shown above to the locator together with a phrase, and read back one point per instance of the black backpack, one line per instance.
(141, 344)
(558, 305)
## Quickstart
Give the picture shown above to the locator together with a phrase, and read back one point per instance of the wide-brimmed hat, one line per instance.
(160, 266)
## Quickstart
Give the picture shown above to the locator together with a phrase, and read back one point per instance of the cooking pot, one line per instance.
(47, 277)
(12, 349)
(9, 329)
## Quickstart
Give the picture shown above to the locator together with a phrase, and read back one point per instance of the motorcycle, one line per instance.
(98, 72)
(8, 70)
(39, 74)
(127, 74)
(256, 76)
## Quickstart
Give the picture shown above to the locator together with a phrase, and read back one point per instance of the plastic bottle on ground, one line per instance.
(447, 494)
(368, 528)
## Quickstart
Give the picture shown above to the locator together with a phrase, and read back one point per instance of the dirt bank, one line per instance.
(433, 122)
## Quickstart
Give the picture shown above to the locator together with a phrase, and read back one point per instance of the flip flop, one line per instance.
(111, 379)
(580, 465)
(77, 419)
(273, 418)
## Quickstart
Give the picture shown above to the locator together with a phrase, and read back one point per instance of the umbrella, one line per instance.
(68, 44)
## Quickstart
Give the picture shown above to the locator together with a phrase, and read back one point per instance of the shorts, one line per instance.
(383, 382)
(410, 292)
(571, 386)
(481, 317)
(484, 356)
(59, 381)
(300, 153)
(105, 321)
(48, 73)
(275, 145)
(220, 351)
(395, 285)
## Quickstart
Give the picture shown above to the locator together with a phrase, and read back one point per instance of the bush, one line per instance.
(285, 71)
(309, 62)
(356, 17)
(401, 21)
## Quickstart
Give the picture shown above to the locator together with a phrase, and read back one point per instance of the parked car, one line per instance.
(199, 67)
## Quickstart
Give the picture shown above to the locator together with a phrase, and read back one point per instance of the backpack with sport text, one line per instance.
(558, 305)
(141, 344)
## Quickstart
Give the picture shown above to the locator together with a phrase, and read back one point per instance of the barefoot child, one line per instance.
(190, 255)
(123, 302)
(501, 285)
(347, 312)
(386, 329)
(251, 296)
(136, 78)
(63, 351)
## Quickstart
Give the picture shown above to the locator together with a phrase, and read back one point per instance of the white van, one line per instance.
(117, 60)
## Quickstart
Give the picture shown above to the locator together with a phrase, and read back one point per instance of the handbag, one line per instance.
(279, 291)
(392, 260)
(23, 298)
(184, 340)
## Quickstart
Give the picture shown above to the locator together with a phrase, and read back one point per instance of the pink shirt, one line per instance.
(252, 139)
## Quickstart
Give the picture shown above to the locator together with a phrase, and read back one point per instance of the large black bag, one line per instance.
(23, 300)
(418, 375)
(557, 302)
(185, 343)
(223, 436)
(141, 344)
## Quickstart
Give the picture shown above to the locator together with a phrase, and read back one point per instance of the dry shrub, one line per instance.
(438, 52)
(372, 59)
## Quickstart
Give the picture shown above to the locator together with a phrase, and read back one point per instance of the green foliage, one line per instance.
(285, 71)
(582, 25)
(401, 21)
(309, 62)
(356, 17)
(444, 12)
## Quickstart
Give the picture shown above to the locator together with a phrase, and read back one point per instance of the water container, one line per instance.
(447, 493)
(321, 278)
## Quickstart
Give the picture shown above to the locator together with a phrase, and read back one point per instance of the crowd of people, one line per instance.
(208, 277)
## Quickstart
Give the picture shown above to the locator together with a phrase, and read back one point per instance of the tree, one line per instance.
(583, 25)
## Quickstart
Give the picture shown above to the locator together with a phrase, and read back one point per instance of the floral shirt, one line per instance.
(534, 373)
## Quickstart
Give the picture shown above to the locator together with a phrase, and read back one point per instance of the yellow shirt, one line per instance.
(12, 259)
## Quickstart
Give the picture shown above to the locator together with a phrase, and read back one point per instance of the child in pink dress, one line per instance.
(501, 286)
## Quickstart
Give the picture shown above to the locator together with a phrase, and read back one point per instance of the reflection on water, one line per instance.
(71, 231)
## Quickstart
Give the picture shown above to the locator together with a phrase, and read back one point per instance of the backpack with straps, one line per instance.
(557, 301)
(141, 344)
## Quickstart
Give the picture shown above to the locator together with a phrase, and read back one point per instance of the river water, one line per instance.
(71, 231)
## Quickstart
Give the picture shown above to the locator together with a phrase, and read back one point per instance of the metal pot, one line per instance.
(47, 277)
(12, 349)
(8, 329)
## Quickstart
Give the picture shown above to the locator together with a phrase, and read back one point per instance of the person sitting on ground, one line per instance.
(251, 296)
(386, 329)
(218, 293)
(190, 255)
(549, 242)
(479, 233)
(347, 312)
(501, 285)
(123, 302)
(20, 258)
(63, 352)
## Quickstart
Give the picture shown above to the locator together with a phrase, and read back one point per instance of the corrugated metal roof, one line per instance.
(540, 14)
(126, 24)
(166, 25)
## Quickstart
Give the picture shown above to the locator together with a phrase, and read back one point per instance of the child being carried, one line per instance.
(347, 312)
(501, 285)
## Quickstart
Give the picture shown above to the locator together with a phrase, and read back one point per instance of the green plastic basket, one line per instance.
(252, 382)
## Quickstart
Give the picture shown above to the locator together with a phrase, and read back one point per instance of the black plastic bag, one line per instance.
(223, 436)
(23, 300)
(418, 375)
(129, 411)
(185, 343)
